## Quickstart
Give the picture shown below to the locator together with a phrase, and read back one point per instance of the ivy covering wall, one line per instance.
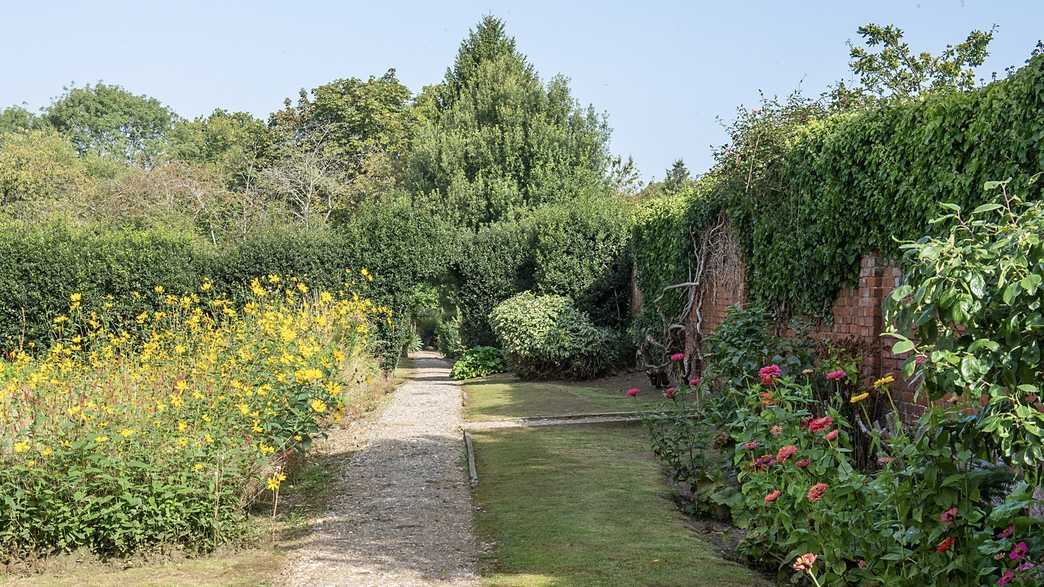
(811, 192)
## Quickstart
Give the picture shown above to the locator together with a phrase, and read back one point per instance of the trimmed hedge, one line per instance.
(43, 265)
(578, 249)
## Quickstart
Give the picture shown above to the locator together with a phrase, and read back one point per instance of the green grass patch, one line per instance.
(586, 505)
(505, 396)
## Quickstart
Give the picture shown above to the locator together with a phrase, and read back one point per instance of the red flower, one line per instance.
(776, 430)
(804, 562)
(772, 496)
(694, 381)
(752, 445)
(948, 516)
(670, 392)
(835, 375)
(817, 424)
(945, 545)
(678, 357)
(815, 493)
(769, 374)
(802, 463)
(786, 452)
(832, 435)
(633, 392)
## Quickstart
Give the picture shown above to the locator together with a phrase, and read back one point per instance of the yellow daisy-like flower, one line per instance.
(886, 380)
(126, 433)
(20, 447)
(101, 439)
(275, 480)
(197, 467)
(855, 399)
(317, 405)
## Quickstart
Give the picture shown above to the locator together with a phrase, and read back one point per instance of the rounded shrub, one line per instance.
(547, 336)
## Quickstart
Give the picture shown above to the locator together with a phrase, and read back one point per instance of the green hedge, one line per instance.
(577, 249)
(812, 194)
(398, 242)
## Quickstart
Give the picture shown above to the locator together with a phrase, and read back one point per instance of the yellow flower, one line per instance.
(20, 447)
(75, 298)
(126, 433)
(265, 449)
(317, 405)
(275, 480)
(182, 426)
(207, 438)
(197, 467)
(158, 289)
(855, 399)
(46, 451)
(179, 350)
(886, 380)
(100, 439)
(181, 384)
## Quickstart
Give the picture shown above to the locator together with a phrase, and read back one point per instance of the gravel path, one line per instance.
(401, 511)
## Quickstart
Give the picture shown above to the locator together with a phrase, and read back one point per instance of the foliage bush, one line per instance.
(478, 362)
(448, 338)
(122, 437)
(576, 249)
(547, 336)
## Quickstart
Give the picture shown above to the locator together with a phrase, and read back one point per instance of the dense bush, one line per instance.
(478, 362)
(547, 336)
(448, 338)
(576, 249)
(121, 437)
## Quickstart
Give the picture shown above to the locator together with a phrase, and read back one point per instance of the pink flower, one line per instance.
(678, 357)
(1019, 551)
(670, 392)
(776, 430)
(835, 375)
(815, 493)
(945, 545)
(802, 463)
(1007, 532)
(831, 436)
(769, 374)
(948, 516)
(694, 381)
(1007, 577)
(920, 359)
(786, 452)
(633, 392)
(752, 445)
(1026, 566)
(817, 424)
(772, 496)
(804, 562)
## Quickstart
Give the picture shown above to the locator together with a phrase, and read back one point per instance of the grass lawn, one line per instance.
(504, 396)
(586, 505)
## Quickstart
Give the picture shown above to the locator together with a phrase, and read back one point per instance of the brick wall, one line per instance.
(857, 318)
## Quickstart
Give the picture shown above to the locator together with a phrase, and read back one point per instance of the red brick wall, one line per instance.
(857, 317)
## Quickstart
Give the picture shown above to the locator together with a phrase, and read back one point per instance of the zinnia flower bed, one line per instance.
(163, 431)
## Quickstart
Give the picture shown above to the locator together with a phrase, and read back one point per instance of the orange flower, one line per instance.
(772, 496)
(945, 545)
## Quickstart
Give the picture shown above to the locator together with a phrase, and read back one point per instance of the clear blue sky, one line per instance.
(665, 72)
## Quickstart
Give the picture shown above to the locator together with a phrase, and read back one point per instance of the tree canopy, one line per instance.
(493, 139)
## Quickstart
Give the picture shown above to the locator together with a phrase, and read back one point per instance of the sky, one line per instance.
(668, 74)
